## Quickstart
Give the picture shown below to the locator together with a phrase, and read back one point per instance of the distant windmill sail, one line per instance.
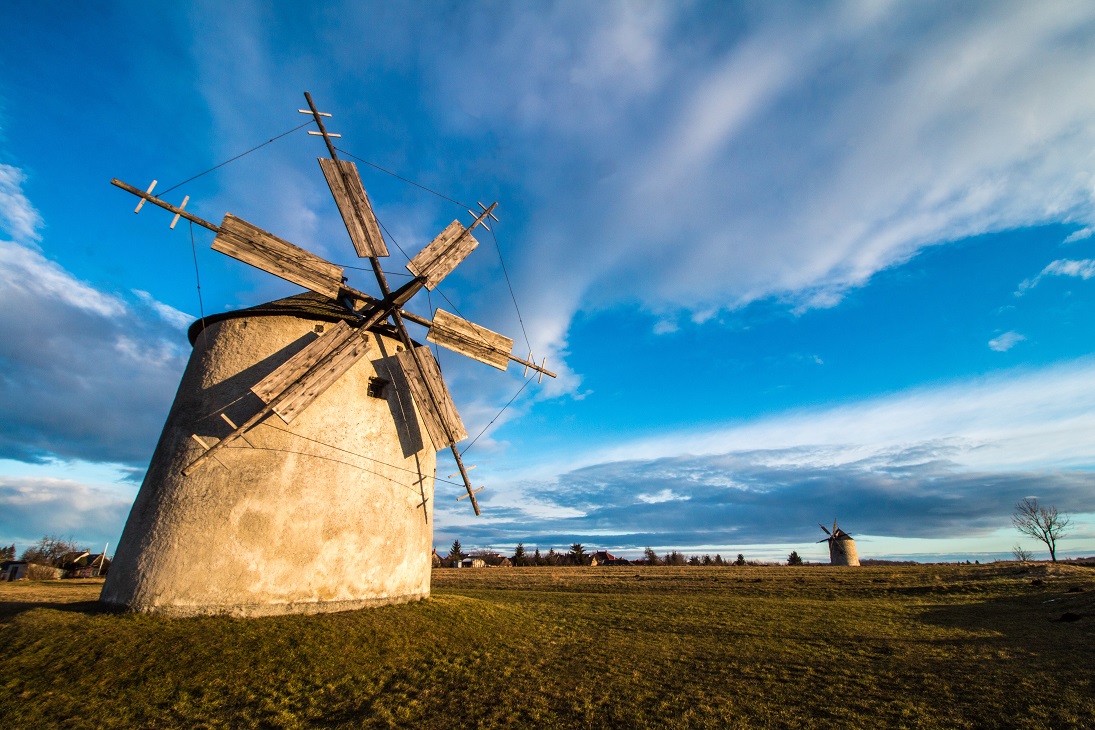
(353, 203)
(468, 338)
(252, 245)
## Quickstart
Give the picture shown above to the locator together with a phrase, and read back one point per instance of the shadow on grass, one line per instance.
(11, 609)
(1034, 618)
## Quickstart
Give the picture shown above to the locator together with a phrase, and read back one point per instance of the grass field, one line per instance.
(926, 646)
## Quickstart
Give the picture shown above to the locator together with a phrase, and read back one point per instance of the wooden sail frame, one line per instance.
(432, 397)
(444, 254)
(467, 338)
(353, 203)
(250, 244)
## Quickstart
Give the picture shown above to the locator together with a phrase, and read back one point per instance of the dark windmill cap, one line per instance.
(308, 305)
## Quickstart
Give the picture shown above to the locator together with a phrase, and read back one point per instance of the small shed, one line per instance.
(11, 570)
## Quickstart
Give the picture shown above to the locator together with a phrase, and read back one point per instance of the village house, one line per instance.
(603, 557)
(83, 564)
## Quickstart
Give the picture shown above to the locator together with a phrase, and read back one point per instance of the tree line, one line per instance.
(578, 554)
(1043, 523)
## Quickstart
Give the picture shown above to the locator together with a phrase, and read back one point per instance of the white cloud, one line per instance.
(1083, 269)
(32, 506)
(166, 312)
(84, 375)
(665, 495)
(926, 463)
(27, 273)
(1005, 342)
(665, 327)
(789, 155)
(1080, 235)
(685, 163)
(1015, 420)
(17, 215)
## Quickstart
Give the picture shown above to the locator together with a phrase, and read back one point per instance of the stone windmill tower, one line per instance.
(841, 546)
(320, 499)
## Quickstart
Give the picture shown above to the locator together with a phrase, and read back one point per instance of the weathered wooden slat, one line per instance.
(252, 245)
(353, 204)
(443, 254)
(295, 367)
(322, 376)
(434, 402)
(470, 339)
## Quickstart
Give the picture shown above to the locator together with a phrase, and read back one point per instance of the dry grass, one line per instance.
(927, 646)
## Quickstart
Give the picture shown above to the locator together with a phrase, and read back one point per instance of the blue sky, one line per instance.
(793, 262)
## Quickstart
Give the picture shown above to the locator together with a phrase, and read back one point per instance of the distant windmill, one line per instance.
(841, 546)
(327, 507)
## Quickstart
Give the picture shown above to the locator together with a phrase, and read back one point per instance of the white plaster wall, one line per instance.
(323, 514)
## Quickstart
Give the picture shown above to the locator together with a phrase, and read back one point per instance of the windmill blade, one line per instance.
(252, 245)
(302, 392)
(444, 254)
(432, 396)
(825, 529)
(353, 203)
(468, 338)
(293, 369)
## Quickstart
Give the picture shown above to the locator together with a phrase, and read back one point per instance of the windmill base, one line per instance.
(255, 610)
(331, 512)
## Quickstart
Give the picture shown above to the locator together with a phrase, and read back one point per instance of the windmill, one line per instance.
(841, 546)
(302, 376)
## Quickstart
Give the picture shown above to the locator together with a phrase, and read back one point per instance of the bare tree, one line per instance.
(1041, 523)
(1021, 554)
(651, 556)
(50, 550)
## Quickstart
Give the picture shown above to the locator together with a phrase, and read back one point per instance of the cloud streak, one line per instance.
(763, 163)
(17, 216)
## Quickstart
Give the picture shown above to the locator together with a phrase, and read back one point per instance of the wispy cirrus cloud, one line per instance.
(1080, 235)
(688, 159)
(167, 313)
(762, 162)
(1078, 268)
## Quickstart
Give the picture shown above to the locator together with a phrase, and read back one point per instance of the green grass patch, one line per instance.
(917, 647)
